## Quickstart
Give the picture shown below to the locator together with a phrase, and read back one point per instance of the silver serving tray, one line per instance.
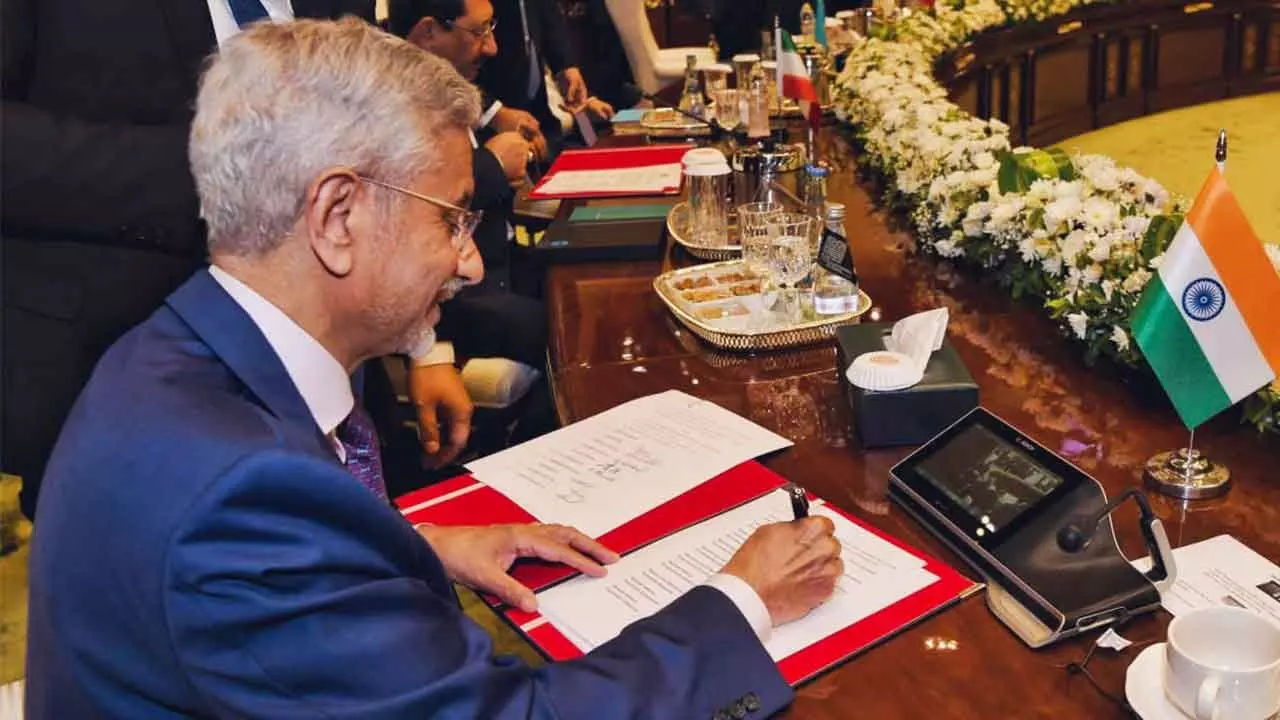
(757, 330)
(678, 229)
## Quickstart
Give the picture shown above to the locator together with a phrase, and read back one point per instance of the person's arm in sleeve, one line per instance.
(292, 591)
(64, 177)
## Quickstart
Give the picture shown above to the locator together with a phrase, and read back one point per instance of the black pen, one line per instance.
(799, 501)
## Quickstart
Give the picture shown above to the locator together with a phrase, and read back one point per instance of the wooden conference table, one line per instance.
(612, 340)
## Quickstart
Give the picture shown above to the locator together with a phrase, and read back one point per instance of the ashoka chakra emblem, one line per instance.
(1203, 299)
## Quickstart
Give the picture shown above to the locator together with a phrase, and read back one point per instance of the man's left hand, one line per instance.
(479, 557)
(444, 410)
(574, 86)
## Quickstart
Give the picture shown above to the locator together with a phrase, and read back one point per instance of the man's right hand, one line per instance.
(512, 150)
(512, 120)
(792, 566)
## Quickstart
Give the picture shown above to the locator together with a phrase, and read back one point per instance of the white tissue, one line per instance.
(919, 335)
(908, 347)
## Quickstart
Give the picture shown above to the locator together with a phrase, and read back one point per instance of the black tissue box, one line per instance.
(882, 418)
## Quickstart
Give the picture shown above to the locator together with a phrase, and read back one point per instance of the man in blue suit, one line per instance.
(214, 539)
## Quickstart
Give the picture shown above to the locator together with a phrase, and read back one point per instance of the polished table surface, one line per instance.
(613, 341)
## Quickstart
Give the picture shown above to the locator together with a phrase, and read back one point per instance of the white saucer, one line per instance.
(1144, 686)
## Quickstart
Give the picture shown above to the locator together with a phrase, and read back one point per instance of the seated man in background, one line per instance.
(490, 319)
(533, 34)
(224, 548)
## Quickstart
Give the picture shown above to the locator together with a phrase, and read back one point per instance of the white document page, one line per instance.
(1221, 571)
(592, 611)
(640, 180)
(608, 469)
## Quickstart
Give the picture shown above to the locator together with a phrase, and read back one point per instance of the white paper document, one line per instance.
(608, 469)
(592, 611)
(650, 179)
(1221, 571)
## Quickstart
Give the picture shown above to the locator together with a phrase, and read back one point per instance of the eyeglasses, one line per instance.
(480, 33)
(462, 222)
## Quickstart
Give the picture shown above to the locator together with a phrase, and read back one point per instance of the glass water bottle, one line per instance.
(833, 294)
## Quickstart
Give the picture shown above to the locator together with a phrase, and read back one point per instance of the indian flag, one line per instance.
(793, 77)
(1207, 323)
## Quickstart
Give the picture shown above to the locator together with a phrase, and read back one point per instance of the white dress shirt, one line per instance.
(325, 387)
(224, 23)
(321, 380)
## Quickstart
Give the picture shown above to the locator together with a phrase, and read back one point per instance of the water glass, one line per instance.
(728, 108)
(744, 66)
(791, 255)
(715, 78)
(753, 230)
(707, 174)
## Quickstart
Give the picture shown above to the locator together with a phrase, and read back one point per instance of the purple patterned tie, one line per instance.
(360, 440)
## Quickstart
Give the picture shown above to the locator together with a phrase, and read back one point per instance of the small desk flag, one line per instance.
(1207, 322)
(793, 77)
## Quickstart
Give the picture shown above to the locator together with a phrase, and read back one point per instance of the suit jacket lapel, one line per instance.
(232, 335)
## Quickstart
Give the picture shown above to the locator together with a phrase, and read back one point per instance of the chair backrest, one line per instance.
(641, 47)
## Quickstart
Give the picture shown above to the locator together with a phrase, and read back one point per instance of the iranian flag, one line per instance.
(793, 77)
(1208, 322)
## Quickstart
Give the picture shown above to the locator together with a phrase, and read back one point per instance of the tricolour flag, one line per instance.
(1208, 323)
(793, 77)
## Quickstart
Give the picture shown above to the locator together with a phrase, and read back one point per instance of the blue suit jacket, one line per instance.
(199, 551)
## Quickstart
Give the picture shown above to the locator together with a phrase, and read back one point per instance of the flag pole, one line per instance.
(1187, 473)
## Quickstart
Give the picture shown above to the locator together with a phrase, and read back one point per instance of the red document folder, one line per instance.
(466, 501)
(610, 159)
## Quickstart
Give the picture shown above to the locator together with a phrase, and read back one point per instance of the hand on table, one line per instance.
(442, 403)
(598, 109)
(792, 566)
(512, 120)
(479, 557)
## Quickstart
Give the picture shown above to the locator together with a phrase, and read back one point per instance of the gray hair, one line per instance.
(282, 102)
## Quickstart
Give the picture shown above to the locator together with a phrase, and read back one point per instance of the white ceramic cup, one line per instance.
(1223, 663)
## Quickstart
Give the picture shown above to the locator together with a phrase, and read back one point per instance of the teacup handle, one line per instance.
(1207, 698)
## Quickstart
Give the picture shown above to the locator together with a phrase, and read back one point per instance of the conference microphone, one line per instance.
(1076, 535)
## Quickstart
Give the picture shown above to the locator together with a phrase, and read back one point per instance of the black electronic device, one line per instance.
(606, 235)
(1033, 525)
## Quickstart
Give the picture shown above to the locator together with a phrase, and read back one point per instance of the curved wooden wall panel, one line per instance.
(1108, 63)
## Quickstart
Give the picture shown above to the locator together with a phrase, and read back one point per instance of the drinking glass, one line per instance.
(728, 108)
(790, 256)
(753, 230)
(715, 78)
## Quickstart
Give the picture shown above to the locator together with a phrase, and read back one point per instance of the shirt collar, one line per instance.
(319, 378)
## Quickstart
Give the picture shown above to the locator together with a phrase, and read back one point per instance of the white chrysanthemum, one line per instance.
(1079, 324)
(1136, 281)
(1099, 212)
(1060, 212)
(1120, 338)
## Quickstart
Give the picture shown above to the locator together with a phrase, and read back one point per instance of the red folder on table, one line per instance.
(611, 159)
(466, 501)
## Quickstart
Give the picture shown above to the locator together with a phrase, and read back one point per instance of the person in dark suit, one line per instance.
(99, 217)
(225, 547)
(531, 34)
(492, 319)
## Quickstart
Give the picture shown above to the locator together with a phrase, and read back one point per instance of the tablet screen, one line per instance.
(990, 478)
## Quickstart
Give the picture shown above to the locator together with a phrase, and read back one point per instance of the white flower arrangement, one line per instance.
(1080, 237)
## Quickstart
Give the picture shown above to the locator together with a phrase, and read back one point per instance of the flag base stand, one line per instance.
(1187, 474)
